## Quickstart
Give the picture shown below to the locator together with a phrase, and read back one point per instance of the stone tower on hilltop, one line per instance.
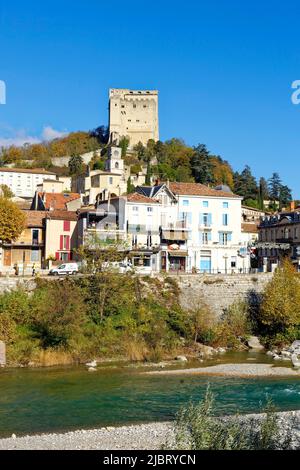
(134, 114)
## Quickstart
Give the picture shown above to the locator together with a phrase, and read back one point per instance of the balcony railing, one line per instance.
(177, 225)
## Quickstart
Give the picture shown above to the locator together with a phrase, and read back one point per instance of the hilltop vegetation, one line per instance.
(172, 160)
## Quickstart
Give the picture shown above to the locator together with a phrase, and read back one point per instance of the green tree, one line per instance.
(274, 187)
(12, 220)
(245, 184)
(201, 165)
(76, 165)
(280, 307)
(148, 175)
(285, 195)
(124, 144)
(130, 186)
(263, 192)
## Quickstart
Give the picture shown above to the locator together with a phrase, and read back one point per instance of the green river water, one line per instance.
(66, 398)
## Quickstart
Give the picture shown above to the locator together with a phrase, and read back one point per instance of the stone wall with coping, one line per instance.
(217, 291)
(221, 291)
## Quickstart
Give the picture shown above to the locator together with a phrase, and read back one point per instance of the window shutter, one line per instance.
(209, 219)
(209, 236)
(221, 238)
(68, 243)
(229, 237)
(200, 238)
(61, 242)
(201, 219)
(67, 226)
(57, 255)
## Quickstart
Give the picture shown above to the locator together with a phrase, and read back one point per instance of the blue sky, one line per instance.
(224, 71)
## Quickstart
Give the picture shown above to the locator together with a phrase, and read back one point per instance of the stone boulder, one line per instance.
(205, 351)
(295, 360)
(254, 343)
(181, 358)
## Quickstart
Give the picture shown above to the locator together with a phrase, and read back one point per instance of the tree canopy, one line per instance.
(12, 220)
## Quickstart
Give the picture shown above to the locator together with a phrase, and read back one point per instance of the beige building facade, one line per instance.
(133, 113)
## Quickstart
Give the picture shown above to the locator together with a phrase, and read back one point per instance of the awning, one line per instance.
(178, 253)
(174, 235)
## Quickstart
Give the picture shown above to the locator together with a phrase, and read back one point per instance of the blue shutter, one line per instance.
(209, 236)
(209, 219)
(189, 217)
(229, 237)
(200, 238)
(221, 238)
(201, 219)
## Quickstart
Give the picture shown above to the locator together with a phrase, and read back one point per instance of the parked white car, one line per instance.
(64, 269)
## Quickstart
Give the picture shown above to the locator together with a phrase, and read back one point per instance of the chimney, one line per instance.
(292, 205)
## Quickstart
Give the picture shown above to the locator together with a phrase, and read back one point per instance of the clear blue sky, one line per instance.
(224, 71)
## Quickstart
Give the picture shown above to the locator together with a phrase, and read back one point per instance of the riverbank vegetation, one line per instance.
(107, 315)
(197, 428)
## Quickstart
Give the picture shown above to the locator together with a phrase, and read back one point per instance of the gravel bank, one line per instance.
(140, 437)
(233, 370)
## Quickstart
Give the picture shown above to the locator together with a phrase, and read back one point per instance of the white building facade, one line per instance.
(200, 229)
(24, 182)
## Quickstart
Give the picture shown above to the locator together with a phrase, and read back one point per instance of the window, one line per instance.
(225, 219)
(224, 238)
(185, 202)
(64, 242)
(64, 257)
(186, 217)
(35, 236)
(111, 180)
(225, 205)
(34, 255)
(205, 219)
(149, 210)
(135, 209)
(134, 105)
(205, 238)
(205, 203)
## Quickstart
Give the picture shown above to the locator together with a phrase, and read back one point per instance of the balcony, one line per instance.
(177, 225)
(95, 237)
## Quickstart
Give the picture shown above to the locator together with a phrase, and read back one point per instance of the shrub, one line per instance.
(279, 313)
(196, 428)
(234, 326)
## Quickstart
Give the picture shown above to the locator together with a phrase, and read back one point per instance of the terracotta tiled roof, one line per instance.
(197, 189)
(136, 197)
(249, 228)
(58, 201)
(35, 218)
(61, 215)
(40, 171)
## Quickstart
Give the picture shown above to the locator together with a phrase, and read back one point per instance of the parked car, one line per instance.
(64, 269)
(125, 267)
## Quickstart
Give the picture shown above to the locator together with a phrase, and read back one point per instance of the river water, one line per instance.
(66, 398)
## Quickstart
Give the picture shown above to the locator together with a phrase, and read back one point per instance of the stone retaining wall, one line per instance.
(220, 291)
(10, 283)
